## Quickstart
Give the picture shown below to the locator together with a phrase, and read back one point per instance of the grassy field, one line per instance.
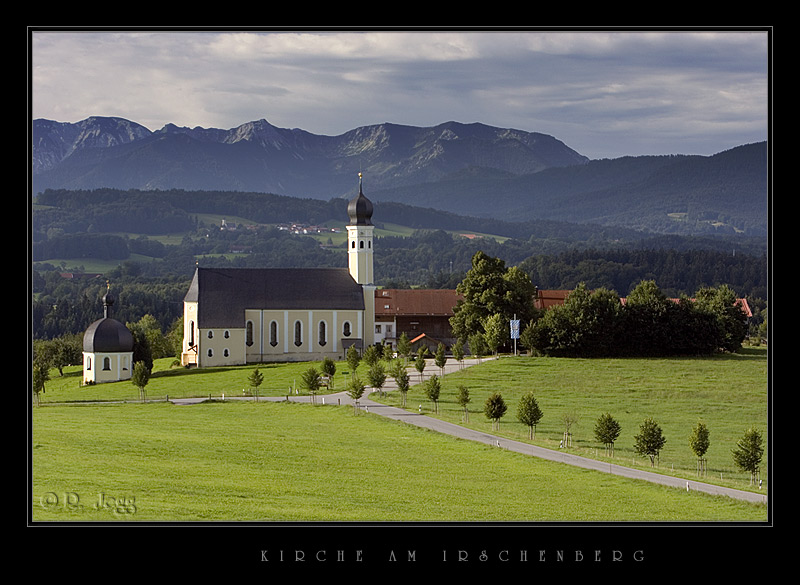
(728, 393)
(237, 460)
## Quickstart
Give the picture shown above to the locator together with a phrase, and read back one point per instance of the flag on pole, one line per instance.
(514, 328)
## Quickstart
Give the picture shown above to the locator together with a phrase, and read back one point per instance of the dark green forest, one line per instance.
(151, 278)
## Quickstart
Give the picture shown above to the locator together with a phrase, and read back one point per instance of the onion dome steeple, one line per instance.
(107, 334)
(360, 208)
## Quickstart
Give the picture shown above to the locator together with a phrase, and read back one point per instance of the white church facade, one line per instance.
(235, 316)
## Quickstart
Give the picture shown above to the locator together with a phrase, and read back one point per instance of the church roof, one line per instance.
(223, 294)
(107, 335)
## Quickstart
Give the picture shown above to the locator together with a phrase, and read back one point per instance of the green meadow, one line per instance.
(278, 461)
(728, 392)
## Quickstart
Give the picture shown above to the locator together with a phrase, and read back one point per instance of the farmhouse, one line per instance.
(422, 314)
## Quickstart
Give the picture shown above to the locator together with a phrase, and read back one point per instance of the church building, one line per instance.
(235, 316)
(107, 348)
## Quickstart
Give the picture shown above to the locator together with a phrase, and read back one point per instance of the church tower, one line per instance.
(359, 256)
(359, 237)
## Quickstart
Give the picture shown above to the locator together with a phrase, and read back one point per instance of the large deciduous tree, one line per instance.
(490, 288)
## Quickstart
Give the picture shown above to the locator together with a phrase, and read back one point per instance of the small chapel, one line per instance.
(107, 348)
(235, 316)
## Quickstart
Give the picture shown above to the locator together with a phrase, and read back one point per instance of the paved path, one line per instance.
(434, 424)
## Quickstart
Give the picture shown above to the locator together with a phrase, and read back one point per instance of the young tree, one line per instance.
(699, 442)
(650, 440)
(355, 390)
(371, 356)
(376, 376)
(419, 363)
(311, 381)
(458, 352)
(440, 358)
(477, 345)
(140, 377)
(404, 346)
(493, 330)
(529, 413)
(528, 339)
(748, 453)
(432, 390)
(607, 430)
(569, 418)
(401, 378)
(255, 378)
(494, 409)
(353, 358)
(462, 397)
(328, 368)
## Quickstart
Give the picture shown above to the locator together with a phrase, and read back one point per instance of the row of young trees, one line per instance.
(649, 441)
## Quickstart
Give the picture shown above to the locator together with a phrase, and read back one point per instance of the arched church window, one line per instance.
(322, 333)
(298, 333)
(88, 363)
(346, 329)
(106, 363)
(353, 244)
(227, 334)
(225, 352)
(249, 333)
(191, 333)
(210, 334)
(210, 353)
(361, 244)
(273, 333)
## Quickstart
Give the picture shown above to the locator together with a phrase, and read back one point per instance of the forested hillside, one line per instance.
(151, 277)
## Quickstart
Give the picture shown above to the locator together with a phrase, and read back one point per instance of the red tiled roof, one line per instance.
(546, 299)
(394, 301)
(390, 302)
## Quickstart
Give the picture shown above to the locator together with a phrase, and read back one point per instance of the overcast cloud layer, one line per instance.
(605, 94)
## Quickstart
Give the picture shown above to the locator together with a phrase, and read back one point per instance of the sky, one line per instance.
(604, 93)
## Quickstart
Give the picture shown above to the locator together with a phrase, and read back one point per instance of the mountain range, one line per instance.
(470, 169)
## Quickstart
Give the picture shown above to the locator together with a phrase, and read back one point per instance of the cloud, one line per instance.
(603, 93)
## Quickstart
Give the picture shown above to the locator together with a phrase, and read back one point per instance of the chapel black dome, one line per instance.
(107, 335)
(360, 208)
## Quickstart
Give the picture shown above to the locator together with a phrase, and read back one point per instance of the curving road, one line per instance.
(434, 424)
